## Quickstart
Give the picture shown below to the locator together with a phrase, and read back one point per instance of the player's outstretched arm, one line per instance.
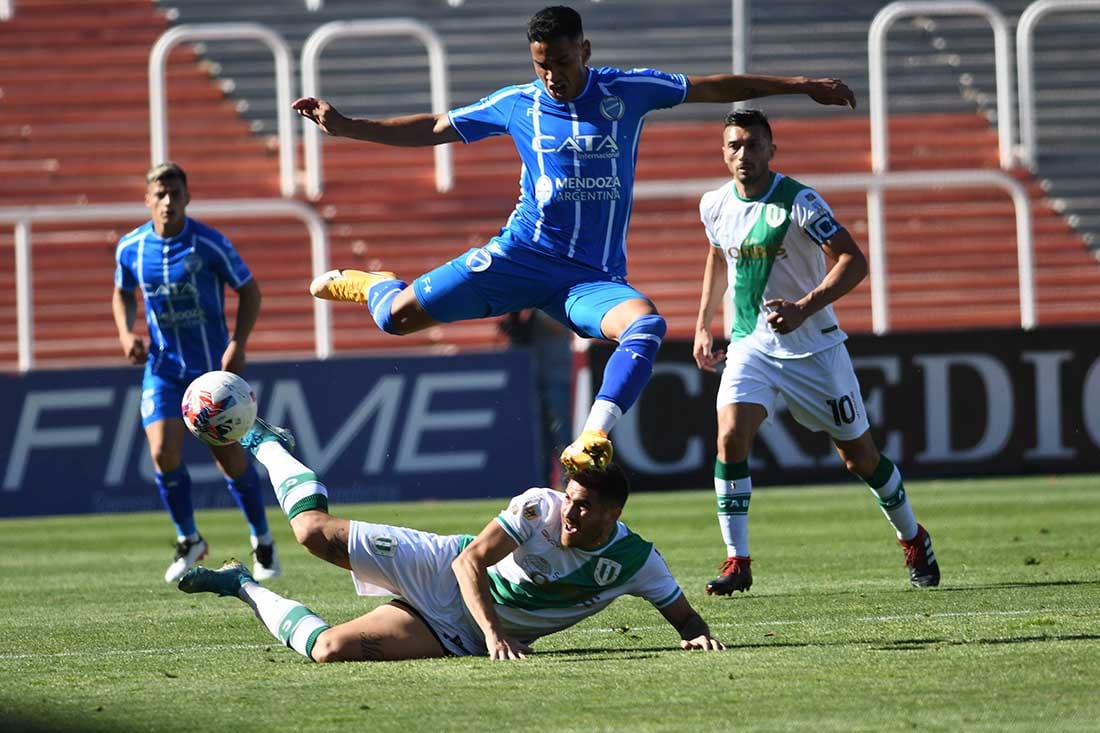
(693, 630)
(408, 131)
(738, 87)
(471, 568)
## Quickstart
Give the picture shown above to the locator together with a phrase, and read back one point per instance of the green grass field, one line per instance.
(830, 637)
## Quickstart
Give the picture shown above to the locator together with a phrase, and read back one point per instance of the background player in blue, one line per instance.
(563, 249)
(182, 267)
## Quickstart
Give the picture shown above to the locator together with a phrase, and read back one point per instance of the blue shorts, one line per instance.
(161, 397)
(506, 276)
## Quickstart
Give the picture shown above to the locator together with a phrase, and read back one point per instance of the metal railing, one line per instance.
(158, 112)
(880, 312)
(24, 216)
(311, 87)
(876, 63)
(1025, 69)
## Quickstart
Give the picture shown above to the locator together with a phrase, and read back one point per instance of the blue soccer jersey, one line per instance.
(578, 158)
(182, 281)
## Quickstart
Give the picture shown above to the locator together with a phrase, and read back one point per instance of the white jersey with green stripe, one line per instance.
(543, 587)
(773, 248)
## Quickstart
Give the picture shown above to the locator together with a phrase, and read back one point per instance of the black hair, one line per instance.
(555, 21)
(747, 118)
(610, 483)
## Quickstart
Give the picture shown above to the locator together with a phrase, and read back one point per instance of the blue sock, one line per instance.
(380, 298)
(630, 366)
(246, 492)
(175, 493)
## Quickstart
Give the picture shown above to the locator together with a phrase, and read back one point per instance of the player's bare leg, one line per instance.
(392, 304)
(389, 633)
(324, 535)
(862, 457)
(639, 330)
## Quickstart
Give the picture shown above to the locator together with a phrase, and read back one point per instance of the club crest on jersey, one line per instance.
(606, 572)
(192, 263)
(544, 189)
(774, 215)
(479, 261)
(612, 108)
(531, 511)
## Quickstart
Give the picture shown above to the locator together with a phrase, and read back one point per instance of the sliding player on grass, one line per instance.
(547, 561)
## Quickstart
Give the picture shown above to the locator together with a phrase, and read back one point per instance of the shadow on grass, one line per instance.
(1020, 584)
(43, 722)
(914, 644)
(899, 645)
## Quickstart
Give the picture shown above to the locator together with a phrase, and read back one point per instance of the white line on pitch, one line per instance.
(138, 652)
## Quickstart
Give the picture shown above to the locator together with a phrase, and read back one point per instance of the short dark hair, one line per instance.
(610, 483)
(556, 21)
(747, 118)
(164, 172)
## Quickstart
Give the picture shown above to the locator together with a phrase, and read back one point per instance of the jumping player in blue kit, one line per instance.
(563, 249)
(182, 267)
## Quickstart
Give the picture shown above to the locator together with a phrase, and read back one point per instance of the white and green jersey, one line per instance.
(773, 248)
(542, 587)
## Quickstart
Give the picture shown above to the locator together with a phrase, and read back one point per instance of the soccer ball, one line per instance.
(219, 408)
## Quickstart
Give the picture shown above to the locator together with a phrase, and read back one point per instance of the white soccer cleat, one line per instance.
(267, 564)
(350, 286)
(187, 554)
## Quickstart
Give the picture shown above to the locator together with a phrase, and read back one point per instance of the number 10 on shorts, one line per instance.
(844, 410)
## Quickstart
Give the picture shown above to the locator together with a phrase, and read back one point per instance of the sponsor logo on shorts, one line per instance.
(384, 546)
(606, 572)
(612, 108)
(479, 261)
(147, 406)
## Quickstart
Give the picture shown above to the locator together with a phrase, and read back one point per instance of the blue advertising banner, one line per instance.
(377, 429)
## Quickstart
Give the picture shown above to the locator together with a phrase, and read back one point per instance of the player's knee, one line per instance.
(166, 458)
(651, 326)
(309, 531)
(733, 447)
(327, 648)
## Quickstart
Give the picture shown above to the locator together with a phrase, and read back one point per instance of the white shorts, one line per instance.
(415, 566)
(821, 390)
